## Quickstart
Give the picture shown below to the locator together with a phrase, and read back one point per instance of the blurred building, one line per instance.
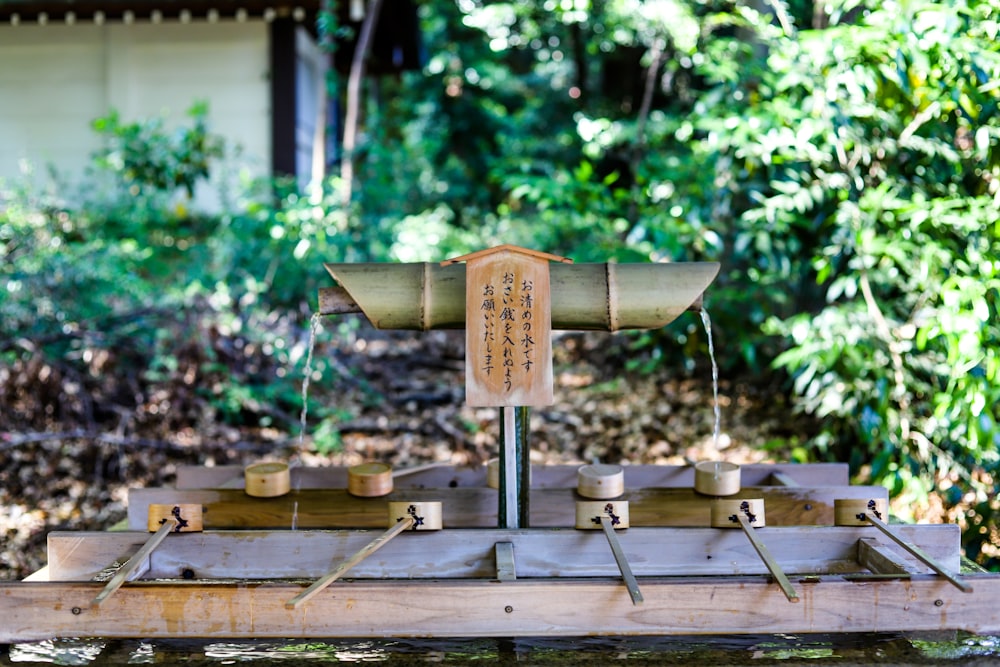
(257, 65)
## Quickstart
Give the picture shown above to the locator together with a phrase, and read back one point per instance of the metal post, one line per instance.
(524, 466)
(515, 468)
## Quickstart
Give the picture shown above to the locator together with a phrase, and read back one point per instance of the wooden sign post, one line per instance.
(508, 357)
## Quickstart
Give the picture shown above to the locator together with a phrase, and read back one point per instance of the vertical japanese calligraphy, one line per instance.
(508, 319)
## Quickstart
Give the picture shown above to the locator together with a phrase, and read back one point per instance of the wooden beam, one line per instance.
(549, 476)
(765, 555)
(477, 507)
(504, 554)
(783, 479)
(882, 558)
(282, 61)
(455, 553)
(621, 560)
(681, 606)
(364, 552)
(134, 563)
(919, 554)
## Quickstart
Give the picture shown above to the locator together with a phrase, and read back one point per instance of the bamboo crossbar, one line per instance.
(428, 296)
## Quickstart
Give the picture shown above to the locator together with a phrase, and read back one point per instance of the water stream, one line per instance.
(307, 375)
(707, 321)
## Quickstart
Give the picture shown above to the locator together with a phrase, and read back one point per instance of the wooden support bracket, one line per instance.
(880, 558)
(504, 552)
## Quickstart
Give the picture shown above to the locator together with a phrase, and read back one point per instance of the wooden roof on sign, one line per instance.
(507, 247)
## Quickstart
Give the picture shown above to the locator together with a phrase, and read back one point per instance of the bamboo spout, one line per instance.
(607, 297)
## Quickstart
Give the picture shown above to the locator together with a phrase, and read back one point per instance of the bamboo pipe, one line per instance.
(134, 562)
(404, 524)
(918, 553)
(607, 297)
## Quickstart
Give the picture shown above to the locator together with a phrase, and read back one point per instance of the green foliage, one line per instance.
(842, 163)
(185, 304)
(843, 166)
(148, 159)
(888, 155)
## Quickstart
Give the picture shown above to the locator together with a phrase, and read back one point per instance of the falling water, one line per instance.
(307, 376)
(295, 515)
(706, 320)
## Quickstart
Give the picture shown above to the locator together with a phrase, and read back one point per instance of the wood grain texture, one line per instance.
(134, 563)
(885, 559)
(548, 476)
(33, 611)
(508, 330)
(456, 553)
(473, 507)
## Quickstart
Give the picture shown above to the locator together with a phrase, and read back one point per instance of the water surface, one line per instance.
(813, 649)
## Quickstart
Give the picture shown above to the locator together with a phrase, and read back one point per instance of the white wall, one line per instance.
(310, 109)
(55, 79)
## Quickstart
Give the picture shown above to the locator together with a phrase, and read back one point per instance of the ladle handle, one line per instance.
(134, 562)
(918, 554)
(363, 553)
(765, 555)
(623, 566)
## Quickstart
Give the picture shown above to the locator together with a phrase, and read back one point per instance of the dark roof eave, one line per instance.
(112, 10)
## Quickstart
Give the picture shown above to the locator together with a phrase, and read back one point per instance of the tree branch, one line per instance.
(354, 100)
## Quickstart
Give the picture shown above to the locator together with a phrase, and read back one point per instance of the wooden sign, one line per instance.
(508, 357)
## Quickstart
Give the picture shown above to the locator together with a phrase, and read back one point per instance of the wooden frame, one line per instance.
(444, 476)
(33, 611)
(476, 581)
(470, 507)
(470, 553)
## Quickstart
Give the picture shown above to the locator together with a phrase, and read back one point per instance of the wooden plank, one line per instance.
(682, 606)
(504, 553)
(477, 507)
(783, 479)
(765, 555)
(548, 476)
(132, 566)
(342, 569)
(919, 554)
(81, 555)
(883, 558)
(454, 553)
(508, 329)
(621, 560)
